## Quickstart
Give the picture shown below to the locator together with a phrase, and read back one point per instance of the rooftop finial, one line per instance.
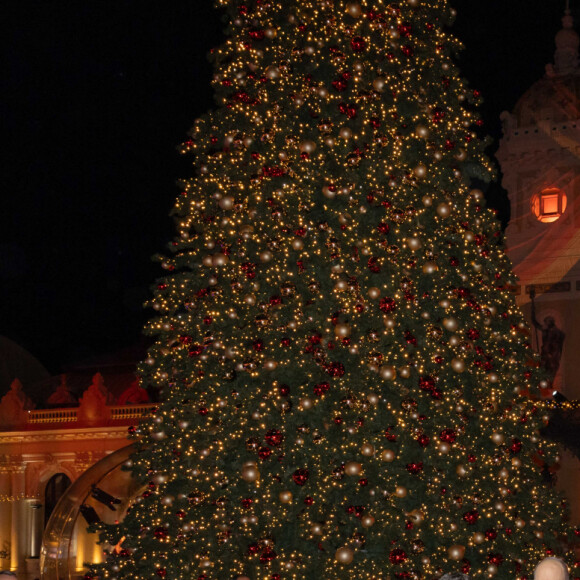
(566, 59)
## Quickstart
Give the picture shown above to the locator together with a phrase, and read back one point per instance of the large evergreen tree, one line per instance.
(347, 382)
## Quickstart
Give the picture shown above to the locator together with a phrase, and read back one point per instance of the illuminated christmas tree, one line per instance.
(348, 385)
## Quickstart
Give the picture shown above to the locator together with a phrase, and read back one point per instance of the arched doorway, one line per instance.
(54, 490)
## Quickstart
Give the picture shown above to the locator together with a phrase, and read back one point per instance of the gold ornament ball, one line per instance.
(497, 438)
(226, 202)
(422, 131)
(456, 552)
(417, 517)
(373, 399)
(374, 292)
(443, 210)
(328, 192)
(516, 462)
(477, 194)
(420, 170)
(344, 555)
(250, 473)
(388, 455)
(368, 450)
(307, 146)
(285, 497)
(413, 244)
(272, 72)
(405, 372)
(353, 468)
(367, 521)
(388, 373)
(271, 33)
(520, 523)
(492, 570)
(266, 256)
(478, 538)
(342, 330)
(207, 261)
(205, 563)
(401, 491)
(427, 200)
(270, 365)
(345, 133)
(444, 448)
(297, 244)
(430, 267)
(306, 403)
(504, 473)
(220, 260)
(379, 84)
(389, 322)
(354, 9)
(450, 324)
(458, 365)
(316, 529)
(461, 471)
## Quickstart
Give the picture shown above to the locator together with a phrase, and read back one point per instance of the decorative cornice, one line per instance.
(102, 433)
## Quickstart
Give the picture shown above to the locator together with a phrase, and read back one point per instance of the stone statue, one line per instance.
(62, 397)
(552, 341)
(134, 395)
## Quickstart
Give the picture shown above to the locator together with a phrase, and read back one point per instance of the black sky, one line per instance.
(95, 96)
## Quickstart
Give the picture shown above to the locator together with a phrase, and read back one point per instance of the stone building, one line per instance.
(57, 434)
(540, 160)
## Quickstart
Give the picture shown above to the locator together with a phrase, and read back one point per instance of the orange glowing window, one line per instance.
(549, 204)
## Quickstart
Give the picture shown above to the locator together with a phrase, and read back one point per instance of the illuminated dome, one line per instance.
(553, 99)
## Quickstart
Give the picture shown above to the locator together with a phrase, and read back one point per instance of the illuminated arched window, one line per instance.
(549, 204)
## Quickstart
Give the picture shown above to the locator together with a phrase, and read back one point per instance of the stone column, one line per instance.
(5, 517)
(20, 529)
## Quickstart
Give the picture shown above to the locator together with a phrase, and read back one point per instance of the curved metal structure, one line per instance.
(58, 555)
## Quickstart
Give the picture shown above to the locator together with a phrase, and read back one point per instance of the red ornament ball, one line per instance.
(496, 559)
(471, 517)
(423, 440)
(301, 476)
(264, 453)
(397, 556)
(160, 533)
(448, 436)
(387, 305)
(274, 437)
(358, 44)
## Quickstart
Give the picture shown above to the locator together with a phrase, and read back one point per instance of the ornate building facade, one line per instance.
(69, 443)
(540, 160)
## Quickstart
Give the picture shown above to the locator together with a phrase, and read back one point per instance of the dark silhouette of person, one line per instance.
(552, 342)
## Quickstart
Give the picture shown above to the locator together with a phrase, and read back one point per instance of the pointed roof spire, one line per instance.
(566, 59)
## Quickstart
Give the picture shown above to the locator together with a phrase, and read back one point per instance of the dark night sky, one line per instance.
(95, 95)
